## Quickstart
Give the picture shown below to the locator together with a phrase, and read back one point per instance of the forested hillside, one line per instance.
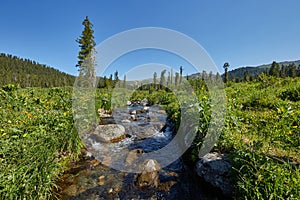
(28, 73)
(286, 68)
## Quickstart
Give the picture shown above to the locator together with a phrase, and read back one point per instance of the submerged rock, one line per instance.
(101, 180)
(133, 156)
(149, 174)
(214, 168)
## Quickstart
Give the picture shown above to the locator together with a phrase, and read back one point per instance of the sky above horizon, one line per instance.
(243, 33)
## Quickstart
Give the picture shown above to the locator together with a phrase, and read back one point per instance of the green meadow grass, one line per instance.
(261, 134)
(37, 138)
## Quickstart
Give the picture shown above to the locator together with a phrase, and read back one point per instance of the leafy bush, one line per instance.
(10, 87)
(292, 94)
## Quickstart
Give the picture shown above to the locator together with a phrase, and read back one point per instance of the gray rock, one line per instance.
(162, 112)
(143, 130)
(149, 174)
(133, 112)
(125, 121)
(146, 108)
(109, 133)
(144, 102)
(133, 117)
(214, 168)
(128, 103)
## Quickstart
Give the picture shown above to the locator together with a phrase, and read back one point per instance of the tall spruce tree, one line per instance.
(246, 76)
(155, 80)
(176, 78)
(180, 71)
(116, 81)
(162, 79)
(86, 56)
(274, 70)
(226, 77)
(124, 81)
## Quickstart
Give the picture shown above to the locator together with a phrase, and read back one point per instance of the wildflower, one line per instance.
(279, 110)
(295, 126)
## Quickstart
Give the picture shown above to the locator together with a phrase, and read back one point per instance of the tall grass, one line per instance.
(37, 138)
(262, 135)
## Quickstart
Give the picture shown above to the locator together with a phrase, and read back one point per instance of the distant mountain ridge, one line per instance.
(256, 70)
(28, 73)
(253, 70)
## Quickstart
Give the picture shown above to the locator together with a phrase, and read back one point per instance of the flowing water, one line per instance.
(147, 130)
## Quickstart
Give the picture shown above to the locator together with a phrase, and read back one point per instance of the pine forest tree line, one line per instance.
(28, 73)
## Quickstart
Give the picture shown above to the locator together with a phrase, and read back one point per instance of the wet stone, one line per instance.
(70, 191)
(149, 174)
(108, 133)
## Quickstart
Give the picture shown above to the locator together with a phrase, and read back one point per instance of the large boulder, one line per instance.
(108, 133)
(144, 130)
(214, 168)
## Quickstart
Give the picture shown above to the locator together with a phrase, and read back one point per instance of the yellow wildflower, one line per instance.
(278, 110)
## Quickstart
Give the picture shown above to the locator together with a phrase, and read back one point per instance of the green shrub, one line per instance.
(292, 94)
(10, 87)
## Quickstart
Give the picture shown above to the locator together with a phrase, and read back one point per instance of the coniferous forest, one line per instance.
(28, 73)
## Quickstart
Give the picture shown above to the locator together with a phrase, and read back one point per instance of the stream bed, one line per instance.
(96, 174)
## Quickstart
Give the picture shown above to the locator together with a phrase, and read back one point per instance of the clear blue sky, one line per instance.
(248, 32)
